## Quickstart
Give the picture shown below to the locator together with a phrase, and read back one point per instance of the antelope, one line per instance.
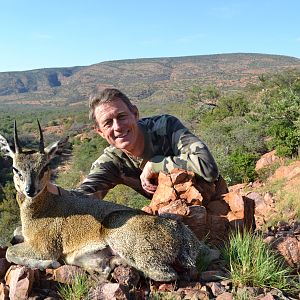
(77, 229)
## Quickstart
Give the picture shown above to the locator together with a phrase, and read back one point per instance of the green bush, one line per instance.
(9, 214)
(243, 165)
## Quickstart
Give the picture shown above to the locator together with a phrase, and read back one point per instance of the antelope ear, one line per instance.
(57, 147)
(5, 148)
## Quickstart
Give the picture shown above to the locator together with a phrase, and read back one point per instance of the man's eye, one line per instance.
(107, 124)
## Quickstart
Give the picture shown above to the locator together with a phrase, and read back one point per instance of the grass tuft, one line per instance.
(75, 291)
(252, 263)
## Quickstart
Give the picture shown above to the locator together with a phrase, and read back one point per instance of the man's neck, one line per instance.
(138, 150)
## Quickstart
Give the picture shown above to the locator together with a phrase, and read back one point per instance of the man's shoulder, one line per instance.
(157, 118)
(159, 122)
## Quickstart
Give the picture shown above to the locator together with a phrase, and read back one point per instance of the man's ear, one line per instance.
(98, 130)
(136, 112)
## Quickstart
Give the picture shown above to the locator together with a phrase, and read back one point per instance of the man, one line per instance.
(141, 148)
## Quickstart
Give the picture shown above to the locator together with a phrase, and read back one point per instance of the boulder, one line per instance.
(267, 160)
(208, 209)
(20, 280)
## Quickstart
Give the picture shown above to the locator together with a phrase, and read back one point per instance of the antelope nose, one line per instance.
(29, 189)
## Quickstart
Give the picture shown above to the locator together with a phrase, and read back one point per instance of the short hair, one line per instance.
(106, 96)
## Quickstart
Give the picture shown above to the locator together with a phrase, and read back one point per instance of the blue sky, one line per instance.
(64, 33)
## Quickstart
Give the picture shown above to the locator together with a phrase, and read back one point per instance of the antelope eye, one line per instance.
(18, 173)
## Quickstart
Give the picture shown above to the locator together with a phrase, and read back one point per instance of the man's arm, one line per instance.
(190, 153)
(103, 176)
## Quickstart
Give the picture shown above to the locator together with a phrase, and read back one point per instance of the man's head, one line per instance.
(116, 121)
(106, 96)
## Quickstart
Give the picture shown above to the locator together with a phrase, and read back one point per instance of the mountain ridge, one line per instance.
(143, 79)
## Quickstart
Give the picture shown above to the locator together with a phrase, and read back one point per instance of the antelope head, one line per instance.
(31, 168)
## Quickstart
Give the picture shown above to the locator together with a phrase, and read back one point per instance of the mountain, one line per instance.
(149, 79)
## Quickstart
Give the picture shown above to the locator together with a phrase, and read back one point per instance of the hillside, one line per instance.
(153, 79)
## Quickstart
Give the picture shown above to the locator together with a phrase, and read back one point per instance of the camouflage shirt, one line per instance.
(168, 144)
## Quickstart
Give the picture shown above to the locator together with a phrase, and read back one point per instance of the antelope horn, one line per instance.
(42, 147)
(18, 148)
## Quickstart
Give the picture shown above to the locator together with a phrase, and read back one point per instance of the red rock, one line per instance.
(163, 195)
(67, 273)
(287, 172)
(20, 280)
(216, 288)
(225, 296)
(4, 291)
(264, 205)
(110, 291)
(196, 220)
(192, 195)
(165, 179)
(196, 294)
(268, 296)
(235, 201)
(289, 248)
(207, 189)
(166, 287)
(177, 207)
(179, 176)
(181, 188)
(218, 207)
(218, 229)
(126, 275)
(221, 189)
(236, 220)
(266, 160)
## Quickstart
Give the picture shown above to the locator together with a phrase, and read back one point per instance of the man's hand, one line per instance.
(147, 178)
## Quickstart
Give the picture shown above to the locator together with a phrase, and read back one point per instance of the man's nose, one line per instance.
(117, 125)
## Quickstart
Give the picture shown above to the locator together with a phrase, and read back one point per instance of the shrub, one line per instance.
(9, 214)
(243, 165)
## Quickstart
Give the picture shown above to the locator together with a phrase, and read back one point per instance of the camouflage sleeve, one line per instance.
(190, 153)
(103, 176)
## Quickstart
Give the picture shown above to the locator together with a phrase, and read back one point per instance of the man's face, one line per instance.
(118, 125)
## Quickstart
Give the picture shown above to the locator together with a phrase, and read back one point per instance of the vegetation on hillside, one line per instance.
(160, 80)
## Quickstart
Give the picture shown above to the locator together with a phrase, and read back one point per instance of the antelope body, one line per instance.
(80, 230)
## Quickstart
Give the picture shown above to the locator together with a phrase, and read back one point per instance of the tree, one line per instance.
(279, 110)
